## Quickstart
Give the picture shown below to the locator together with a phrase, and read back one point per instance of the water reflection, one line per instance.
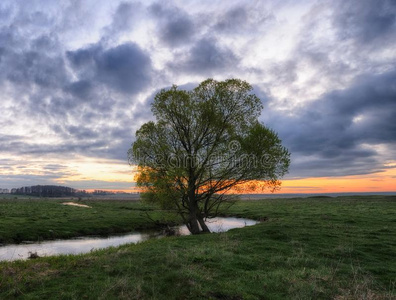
(76, 204)
(221, 224)
(84, 245)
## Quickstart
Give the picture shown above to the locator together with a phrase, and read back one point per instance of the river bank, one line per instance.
(48, 219)
(338, 248)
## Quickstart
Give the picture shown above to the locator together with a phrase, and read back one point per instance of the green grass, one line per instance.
(338, 248)
(35, 219)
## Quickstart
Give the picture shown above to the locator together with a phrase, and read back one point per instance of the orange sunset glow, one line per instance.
(377, 182)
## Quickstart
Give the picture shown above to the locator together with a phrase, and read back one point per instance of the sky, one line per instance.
(77, 79)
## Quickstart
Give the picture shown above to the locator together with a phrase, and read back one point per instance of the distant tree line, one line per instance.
(101, 193)
(47, 191)
(57, 191)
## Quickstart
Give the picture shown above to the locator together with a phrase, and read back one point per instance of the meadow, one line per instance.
(305, 248)
(35, 219)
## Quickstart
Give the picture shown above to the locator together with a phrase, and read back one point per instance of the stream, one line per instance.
(87, 244)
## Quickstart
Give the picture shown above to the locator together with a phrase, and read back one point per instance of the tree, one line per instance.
(204, 143)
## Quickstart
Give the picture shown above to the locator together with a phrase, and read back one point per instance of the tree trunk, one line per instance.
(193, 208)
(203, 225)
(192, 225)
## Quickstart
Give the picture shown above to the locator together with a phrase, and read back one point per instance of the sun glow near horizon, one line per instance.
(370, 183)
(106, 174)
(384, 181)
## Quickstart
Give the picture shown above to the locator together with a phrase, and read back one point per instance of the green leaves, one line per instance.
(204, 143)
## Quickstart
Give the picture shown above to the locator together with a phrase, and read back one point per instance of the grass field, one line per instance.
(35, 219)
(313, 248)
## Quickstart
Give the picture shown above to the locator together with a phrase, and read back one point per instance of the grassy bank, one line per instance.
(338, 248)
(35, 219)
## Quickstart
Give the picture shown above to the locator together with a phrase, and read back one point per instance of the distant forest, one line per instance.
(47, 191)
(57, 191)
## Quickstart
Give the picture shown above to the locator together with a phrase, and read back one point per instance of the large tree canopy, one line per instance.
(204, 143)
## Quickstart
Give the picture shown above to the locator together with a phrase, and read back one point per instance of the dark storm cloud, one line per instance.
(80, 89)
(177, 31)
(241, 19)
(232, 19)
(206, 57)
(36, 68)
(124, 68)
(84, 57)
(7, 141)
(77, 111)
(176, 27)
(79, 114)
(81, 132)
(27, 62)
(330, 167)
(332, 131)
(71, 146)
(366, 109)
(123, 17)
(76, 144)
(366, 21)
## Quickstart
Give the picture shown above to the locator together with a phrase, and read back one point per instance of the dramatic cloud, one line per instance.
(175, 26)
(125, 68)
(207, 58)
(242, 19)
(366, 21)
(124, 18)
(77, 79)
(337, 133)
